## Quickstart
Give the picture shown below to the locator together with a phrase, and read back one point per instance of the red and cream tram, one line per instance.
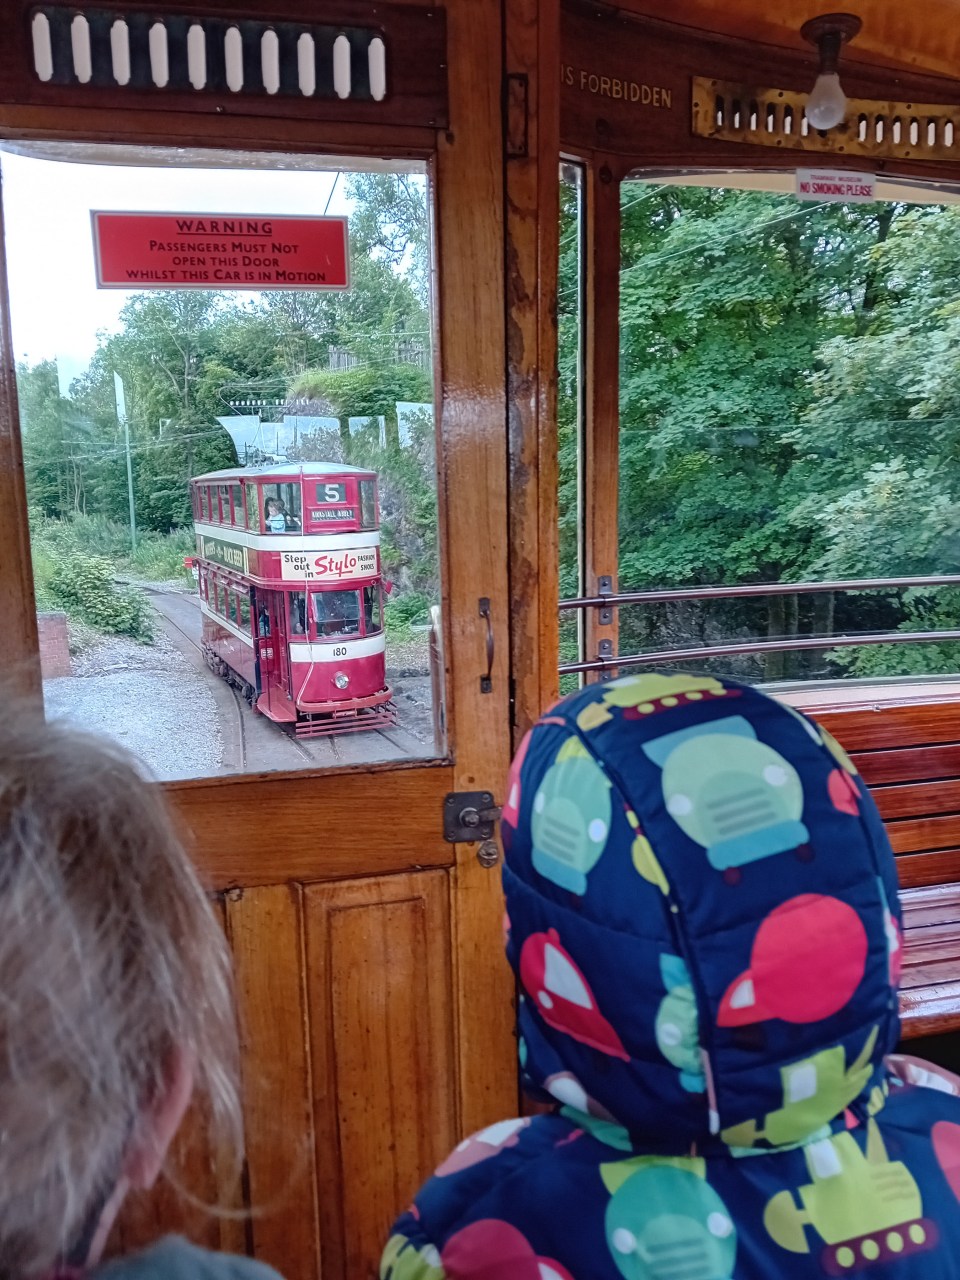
(290, 592)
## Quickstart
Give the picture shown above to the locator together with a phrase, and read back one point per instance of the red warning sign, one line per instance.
(219, 251)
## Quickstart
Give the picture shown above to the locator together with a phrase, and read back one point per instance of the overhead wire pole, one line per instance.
(122, 419)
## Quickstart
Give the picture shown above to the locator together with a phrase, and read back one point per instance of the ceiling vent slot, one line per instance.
(764, 117)
(81, 46)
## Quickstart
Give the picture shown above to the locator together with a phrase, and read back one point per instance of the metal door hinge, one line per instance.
(516, 116)
(469, 816)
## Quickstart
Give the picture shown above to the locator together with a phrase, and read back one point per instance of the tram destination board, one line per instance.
(219, 251)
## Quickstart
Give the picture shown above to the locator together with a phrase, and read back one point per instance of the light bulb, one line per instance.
(827, 103)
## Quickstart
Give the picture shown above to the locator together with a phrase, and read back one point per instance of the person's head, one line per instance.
(702, 911)
(117, 996)
(275, 507)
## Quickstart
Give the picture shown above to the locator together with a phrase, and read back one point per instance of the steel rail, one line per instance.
(658, 596)
(757, 646)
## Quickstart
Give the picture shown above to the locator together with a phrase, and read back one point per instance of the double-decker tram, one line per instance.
(291, 593)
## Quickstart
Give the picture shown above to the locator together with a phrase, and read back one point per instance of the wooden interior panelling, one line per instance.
(925, 38)
(601, 447)
(414, 34)
(533, 214)
(384, 1074)
(265, 928)
(326, 826)
(471, 237)
(625, 89)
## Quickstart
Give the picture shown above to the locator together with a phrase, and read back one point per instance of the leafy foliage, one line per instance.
(790, 410)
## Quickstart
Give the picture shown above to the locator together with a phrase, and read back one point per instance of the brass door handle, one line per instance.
(486, 681)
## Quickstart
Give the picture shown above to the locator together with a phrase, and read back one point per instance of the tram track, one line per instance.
(238, 701)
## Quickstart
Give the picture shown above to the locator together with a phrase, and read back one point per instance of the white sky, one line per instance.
(55, 305)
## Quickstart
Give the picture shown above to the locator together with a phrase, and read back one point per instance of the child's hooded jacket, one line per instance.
(702, 914)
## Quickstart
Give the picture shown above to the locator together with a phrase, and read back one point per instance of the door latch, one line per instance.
(469, 816)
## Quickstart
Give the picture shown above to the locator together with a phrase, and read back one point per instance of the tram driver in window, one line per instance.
(278, 519)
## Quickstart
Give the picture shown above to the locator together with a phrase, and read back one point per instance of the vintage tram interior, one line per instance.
(570, 153)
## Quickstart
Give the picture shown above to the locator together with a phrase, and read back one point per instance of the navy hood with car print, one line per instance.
(702, 914)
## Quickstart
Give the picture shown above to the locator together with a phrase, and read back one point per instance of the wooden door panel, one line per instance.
(321, 827)
(265, 929)
(381, 1036)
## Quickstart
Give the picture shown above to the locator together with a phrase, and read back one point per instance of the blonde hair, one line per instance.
(111, 961)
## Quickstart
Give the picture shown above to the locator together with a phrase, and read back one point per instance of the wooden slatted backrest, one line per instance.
(909, 756)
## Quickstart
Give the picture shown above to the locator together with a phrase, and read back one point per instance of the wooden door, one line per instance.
(375, 1003)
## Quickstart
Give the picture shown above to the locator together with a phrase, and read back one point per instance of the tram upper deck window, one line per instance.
(223, 491)
(372, 608)
(204, 501)
(281, 508)
(236, 503)
(253, 506)
(368, 504)
(336, 613)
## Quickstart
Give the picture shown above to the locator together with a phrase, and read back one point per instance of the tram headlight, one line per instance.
(341, 680)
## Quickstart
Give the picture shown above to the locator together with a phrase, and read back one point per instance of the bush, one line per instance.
(401, 614)
(83, 586)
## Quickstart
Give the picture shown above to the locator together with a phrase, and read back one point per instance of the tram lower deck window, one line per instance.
(336, 613)
(372, 608)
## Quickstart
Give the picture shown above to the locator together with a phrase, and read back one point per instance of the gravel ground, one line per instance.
(124, 690)
(151, 700)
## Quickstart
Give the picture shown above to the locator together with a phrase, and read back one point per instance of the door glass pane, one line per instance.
(269, 390)
(788, 414)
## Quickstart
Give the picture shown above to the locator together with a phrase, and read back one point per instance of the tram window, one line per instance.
(253, 506)
(298, 613)
(337, 613)
(775, 427)
(219, 467)
(372, 610)
(368, 504)
(281, 508)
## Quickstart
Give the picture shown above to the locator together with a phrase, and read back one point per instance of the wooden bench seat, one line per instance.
(906, 744)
